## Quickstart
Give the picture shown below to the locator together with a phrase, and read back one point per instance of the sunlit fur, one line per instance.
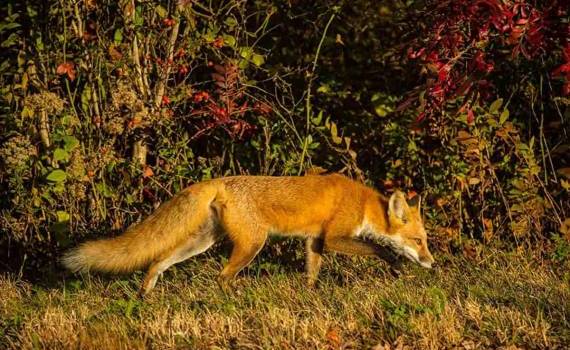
(405, 226)
(330, 210)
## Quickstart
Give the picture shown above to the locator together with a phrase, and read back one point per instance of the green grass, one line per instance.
(505, 299)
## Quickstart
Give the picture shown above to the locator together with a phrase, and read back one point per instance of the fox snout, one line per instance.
(425, 258)
(420, 255)
(427, 261)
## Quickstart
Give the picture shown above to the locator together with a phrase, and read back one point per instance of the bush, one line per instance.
(109, 108)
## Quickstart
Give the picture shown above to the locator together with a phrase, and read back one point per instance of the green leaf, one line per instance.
(257, 59)
(26, 112)
(62, 216)
(210, 36)
(85, 99)
(104, 190)
(496, 105)
(230, 22)
(4, 67)
(381, 110)
(70, 142)
(229, 40)
(139, 18)
(318, 119)
(504, 116)
(324, 89)
(379, 102)
(118, 37)
(492, 122)
(8, 26)
(60, 154)
(334, 133)
(245, 52)
(12, 40)
(161, 11)
(243, 64)
(57, 175)
(39, 44)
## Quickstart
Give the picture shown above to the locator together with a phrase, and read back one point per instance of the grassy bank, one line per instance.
(502, 300)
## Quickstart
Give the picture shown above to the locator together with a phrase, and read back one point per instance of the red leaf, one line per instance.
(262, 108)
(470, 116)
(183, 69)
(566, 88)
(67, 68)
(443, 72)
(114, 53)
(201, 96)
(565, 68)
(169, 22)
(416, 54)
(165, 100)
(334, 337)
(218, 43)
(180, 53)
(432, 57)
(147, 172)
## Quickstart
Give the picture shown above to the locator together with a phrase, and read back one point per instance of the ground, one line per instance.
(500, 300)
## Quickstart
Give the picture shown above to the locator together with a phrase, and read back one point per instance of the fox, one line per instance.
(331, 211)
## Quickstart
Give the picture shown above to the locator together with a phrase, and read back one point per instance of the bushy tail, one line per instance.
(170, 225)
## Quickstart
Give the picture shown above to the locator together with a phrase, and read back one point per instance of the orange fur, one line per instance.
(169, 226)
(331, 210)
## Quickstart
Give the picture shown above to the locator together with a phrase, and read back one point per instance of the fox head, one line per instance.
(406, 231)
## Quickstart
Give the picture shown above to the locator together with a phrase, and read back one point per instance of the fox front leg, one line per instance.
(314, 256)
(357, 247)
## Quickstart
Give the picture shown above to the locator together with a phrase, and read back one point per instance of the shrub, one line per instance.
(108, 108)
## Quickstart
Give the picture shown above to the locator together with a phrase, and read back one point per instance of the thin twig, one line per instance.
(308, 93)
(161, 85)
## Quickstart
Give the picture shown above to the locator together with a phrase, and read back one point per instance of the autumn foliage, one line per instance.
(109, 108)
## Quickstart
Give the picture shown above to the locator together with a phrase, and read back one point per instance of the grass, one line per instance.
(507, 300)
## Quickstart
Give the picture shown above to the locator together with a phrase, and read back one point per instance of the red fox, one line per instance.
(333, 212)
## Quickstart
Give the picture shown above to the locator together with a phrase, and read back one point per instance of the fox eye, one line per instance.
(418, 241)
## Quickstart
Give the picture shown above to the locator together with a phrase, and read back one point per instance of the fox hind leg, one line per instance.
(246, 246)
(194, 246)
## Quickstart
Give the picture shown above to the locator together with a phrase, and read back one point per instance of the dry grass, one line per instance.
(505, 300)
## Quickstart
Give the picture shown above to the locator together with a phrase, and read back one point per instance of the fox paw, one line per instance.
(225, 284)
(395, 271)
(395, 267)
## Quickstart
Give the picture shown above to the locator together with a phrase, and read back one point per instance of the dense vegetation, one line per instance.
(109, 107)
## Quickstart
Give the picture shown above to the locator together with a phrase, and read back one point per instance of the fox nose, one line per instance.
(427, 262)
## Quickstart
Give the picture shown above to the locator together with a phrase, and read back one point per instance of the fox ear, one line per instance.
(397, 206)
(415, 201)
